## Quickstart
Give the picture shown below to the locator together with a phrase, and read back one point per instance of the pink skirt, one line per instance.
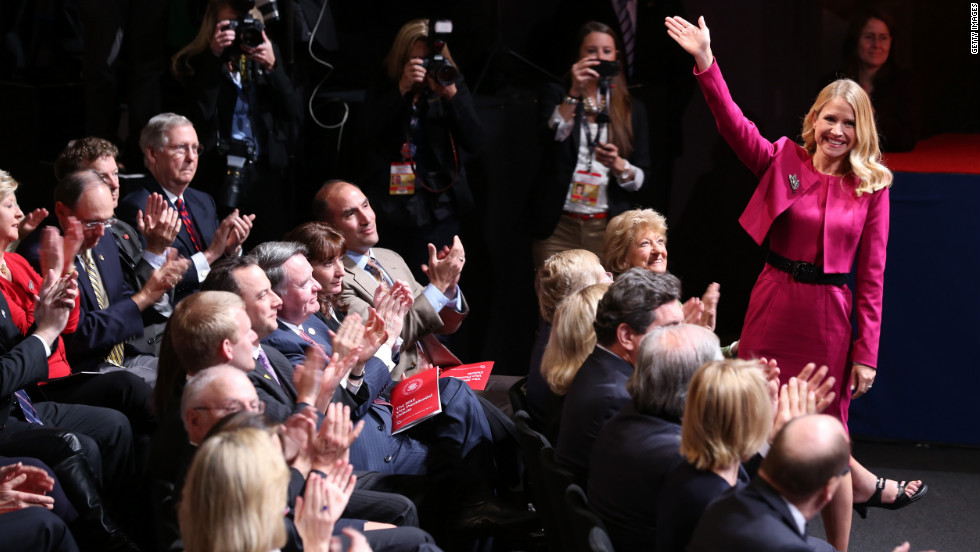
(796, 324)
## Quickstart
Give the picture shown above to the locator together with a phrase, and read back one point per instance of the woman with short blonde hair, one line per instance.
(234, 495)
(627, 232)
(728, 415)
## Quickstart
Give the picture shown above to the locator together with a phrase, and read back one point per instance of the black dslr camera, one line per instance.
(248, 31)
(438, 67)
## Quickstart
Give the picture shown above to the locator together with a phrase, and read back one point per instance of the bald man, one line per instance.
(797, 479)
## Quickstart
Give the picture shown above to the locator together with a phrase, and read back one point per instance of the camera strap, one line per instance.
(411, 160)
(414, 123)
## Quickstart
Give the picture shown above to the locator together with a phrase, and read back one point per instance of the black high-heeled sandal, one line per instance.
(901, 500)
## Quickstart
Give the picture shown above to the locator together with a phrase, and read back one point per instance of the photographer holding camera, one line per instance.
(422, 123)
(597, 150)
(246, 113)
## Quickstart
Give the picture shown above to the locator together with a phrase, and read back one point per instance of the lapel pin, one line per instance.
(101, 258)
(311, 331)
(30, 286)
(266, 376)
(4, 313)
(794, 183)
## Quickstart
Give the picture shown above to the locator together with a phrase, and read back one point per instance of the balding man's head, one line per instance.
(213, 394)
(808, 455)
(347, 209)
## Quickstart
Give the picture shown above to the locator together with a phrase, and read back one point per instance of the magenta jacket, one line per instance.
(854, 226)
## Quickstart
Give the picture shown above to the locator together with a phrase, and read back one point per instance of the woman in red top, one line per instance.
(19, 282)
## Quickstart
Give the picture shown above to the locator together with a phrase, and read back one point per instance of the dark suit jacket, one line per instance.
(279, 398)
(99, 329)
(135, 269)
(23, 361)
(560, 158)
(201, 208)
(596, 394)
(630, 461)
(753, 518)
(686, 493)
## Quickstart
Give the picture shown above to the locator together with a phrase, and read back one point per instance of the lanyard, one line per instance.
(601, 119)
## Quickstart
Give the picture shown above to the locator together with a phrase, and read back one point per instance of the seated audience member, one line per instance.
(171, 152)
(638, 239)
(122, 391)
(214, 393)
(462, 422)
(453, 449)
(797, 478)
(635, 303)
(325, 251)
(640, 445)
(245, 469)
(157, 224)
(273, 374)
(307, 452)
(30, 519)
(84, 445)
(439, 307)
(207, 329)
(111, 312)
(572, 341)
(727, 419)
(561, 275)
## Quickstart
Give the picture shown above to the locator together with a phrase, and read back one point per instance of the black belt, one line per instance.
(806, 273)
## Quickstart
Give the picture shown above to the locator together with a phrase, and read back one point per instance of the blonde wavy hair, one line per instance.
(563, 273)
(572, 337)
(864, 159)
(235, 494)
(7, 184)
(727, 416)
(401, 48)
(622, 230)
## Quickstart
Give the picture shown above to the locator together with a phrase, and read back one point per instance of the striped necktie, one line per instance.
(185, 217)
(116, 354)
(374, 269)
(27, 407)
(626, 27)
(308, 339)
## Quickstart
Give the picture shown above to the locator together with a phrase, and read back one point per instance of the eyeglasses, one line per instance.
(186, 149)
(107, 223)
(235, 405)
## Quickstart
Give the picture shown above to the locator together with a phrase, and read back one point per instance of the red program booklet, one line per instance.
(415, 400)
(475, 375)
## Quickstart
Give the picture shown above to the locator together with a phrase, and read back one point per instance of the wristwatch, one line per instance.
(571, 100)
(624, 176)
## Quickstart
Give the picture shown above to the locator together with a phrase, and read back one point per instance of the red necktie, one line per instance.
(188, 223)
(309, 340)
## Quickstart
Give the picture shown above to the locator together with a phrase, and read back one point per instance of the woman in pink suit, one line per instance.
(821, 205)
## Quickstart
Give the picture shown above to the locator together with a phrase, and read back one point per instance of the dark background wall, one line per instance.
(775, 55)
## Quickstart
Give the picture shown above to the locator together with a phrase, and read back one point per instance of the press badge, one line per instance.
(401, 181)
(585, 187)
